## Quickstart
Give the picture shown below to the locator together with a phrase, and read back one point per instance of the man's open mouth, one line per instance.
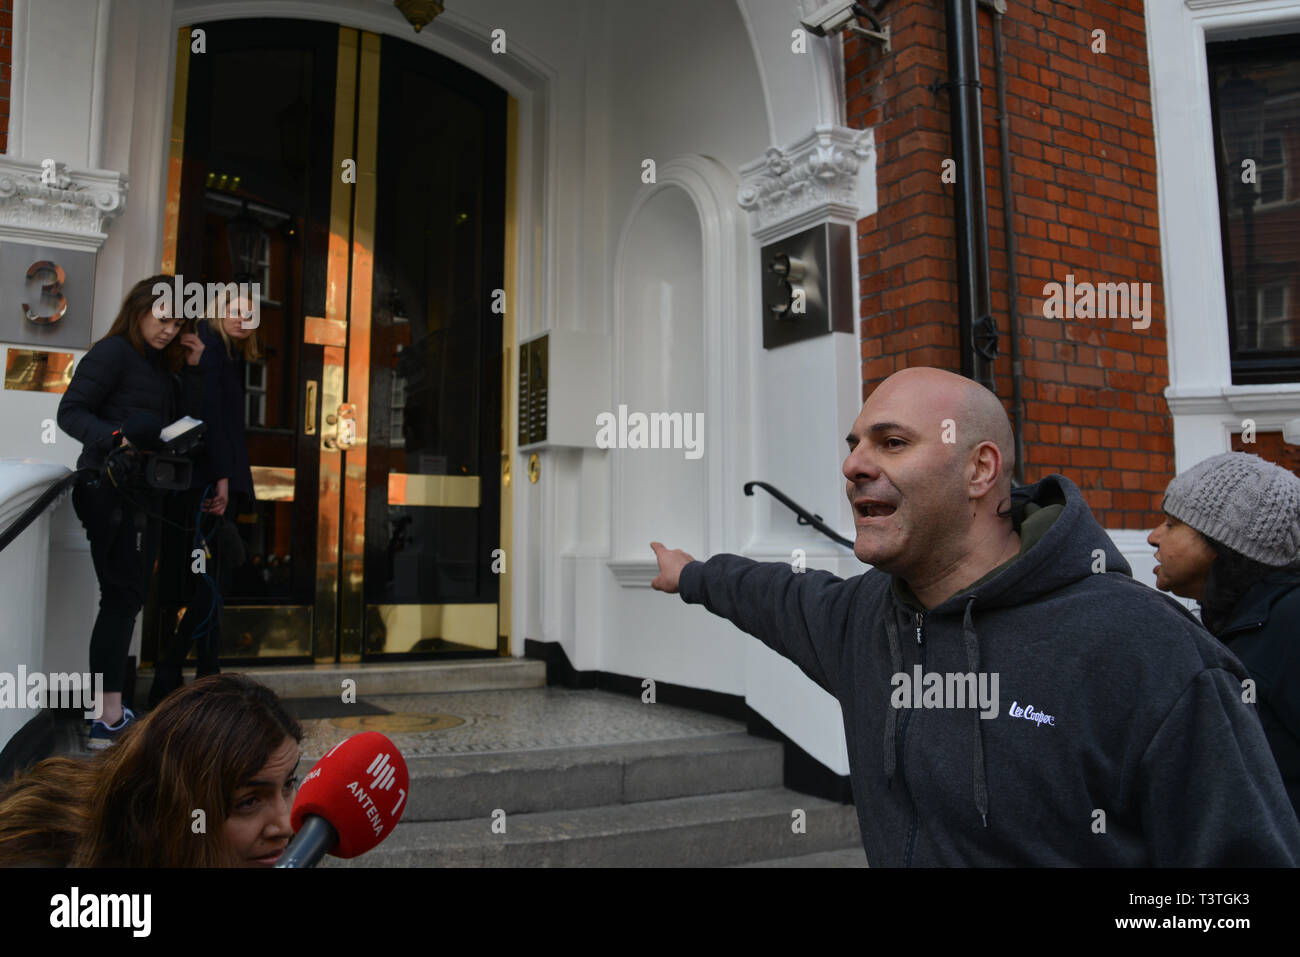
(870, 509)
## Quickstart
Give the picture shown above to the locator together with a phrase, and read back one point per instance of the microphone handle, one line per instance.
(316, 839)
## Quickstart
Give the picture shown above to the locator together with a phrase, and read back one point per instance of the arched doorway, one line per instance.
(359, 180)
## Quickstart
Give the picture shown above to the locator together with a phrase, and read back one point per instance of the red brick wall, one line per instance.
(1083, 179)
(1269, 445)
(6, 60)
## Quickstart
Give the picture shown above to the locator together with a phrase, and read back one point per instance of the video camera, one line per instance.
(153, 457)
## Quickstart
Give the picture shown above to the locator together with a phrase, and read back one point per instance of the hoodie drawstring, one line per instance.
(973, 662)
(891, 713)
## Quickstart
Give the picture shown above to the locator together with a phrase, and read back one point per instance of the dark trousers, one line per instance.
(200, 591)
(124, 540)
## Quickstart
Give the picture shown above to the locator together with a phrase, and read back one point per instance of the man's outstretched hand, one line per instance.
(671, 563)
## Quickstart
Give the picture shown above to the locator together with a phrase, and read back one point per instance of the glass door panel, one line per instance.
(432, 503)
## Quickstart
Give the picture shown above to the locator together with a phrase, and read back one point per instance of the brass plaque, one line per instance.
(34, 370)
(272, 484)
(397, 629)
(321, 331)
(445, 491)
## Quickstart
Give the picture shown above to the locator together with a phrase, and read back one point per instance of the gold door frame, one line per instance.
(352, 564)
(508, 372)
(338, 616)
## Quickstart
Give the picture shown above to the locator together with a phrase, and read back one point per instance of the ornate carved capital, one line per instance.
(45, 201)
(811, 181)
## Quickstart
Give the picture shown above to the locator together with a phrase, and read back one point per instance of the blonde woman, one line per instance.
(222, 487)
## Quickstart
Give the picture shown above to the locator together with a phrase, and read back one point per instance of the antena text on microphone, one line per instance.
(189, 300)
(38, 690)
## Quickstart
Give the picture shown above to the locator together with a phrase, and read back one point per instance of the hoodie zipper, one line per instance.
(899, 736)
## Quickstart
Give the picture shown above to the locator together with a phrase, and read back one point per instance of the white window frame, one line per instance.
(1206, 407)
(254, 396)
(1265, 174)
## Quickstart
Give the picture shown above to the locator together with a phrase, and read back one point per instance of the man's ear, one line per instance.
(984, 469)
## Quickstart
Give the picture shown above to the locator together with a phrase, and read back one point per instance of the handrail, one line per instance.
(33, 511)
(802, 515)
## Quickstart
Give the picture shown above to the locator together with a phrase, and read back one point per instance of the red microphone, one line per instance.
(349, 802)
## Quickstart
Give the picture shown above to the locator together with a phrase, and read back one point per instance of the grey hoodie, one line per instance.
(1118, 736)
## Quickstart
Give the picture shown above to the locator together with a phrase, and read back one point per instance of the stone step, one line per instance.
(376, 678)
(711, 830)
(461, 786)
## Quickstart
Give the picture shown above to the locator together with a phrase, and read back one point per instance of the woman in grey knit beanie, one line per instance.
(1231, 540)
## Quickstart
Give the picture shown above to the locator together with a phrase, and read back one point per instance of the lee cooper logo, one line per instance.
(1029, 714)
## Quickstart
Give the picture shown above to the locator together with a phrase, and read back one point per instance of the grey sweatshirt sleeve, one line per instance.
(802, 616)
(1209, 790)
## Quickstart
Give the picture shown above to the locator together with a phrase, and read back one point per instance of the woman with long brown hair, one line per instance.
(204, 780)
(221, 488)
(143, 369)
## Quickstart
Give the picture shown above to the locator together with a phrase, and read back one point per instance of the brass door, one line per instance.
(362, 180)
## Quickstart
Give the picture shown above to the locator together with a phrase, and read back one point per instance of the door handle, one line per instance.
(346, 433)
(309, 419)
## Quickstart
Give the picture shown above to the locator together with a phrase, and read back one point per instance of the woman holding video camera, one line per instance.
(222, 487)
(140, 377)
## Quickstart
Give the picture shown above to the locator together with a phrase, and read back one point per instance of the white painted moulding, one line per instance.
(73, 211)
(809, 182)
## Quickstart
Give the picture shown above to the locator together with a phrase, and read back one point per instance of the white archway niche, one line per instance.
(662, 369)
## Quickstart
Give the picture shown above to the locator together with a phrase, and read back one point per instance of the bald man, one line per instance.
(1011, 696)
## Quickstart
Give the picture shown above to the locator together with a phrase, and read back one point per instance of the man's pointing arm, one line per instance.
(802, 616)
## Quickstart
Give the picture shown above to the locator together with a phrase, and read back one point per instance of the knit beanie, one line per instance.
(1241, 501)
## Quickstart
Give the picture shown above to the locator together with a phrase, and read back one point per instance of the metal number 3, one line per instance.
(52, 304)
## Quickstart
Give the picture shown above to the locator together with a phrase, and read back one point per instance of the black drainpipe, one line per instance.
(999, 7)
(977, 329)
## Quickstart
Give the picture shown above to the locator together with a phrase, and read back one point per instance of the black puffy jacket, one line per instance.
(225, 445)
(1264, 632)
(111, 382)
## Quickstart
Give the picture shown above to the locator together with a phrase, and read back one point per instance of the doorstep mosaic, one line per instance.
(516, 720)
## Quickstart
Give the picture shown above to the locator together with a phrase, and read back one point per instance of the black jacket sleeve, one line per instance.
(1210, 793)
(95, 378)
(191, 391)
(216, 407)
(803, 616)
